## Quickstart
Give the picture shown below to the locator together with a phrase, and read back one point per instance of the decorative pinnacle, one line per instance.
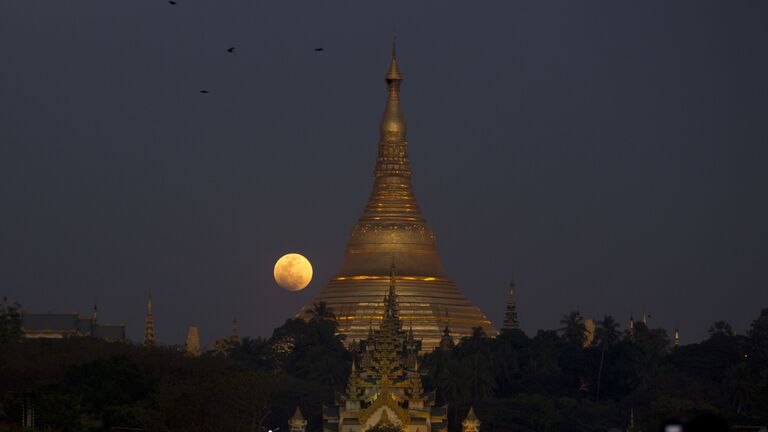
(390, 299)
(471, 415)
(394, 73)
(392, 129)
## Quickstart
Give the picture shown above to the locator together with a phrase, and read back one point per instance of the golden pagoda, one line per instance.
(392, 230)
(386, 390)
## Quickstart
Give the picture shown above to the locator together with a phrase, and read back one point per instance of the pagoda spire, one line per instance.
(149, 325)
(192, 347)
(297, 423)
(510, 315)
(471, 423)
(388, 340)
(393, 128)
(390, 299)
(631, 427)
(392, 226)
(392, 198)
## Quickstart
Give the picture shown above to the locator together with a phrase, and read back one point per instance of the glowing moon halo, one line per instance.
(293, 272)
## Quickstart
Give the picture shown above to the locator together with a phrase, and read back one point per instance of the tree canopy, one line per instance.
(551, 381)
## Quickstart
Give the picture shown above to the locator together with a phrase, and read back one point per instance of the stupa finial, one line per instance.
(393, 74)
(392, 129)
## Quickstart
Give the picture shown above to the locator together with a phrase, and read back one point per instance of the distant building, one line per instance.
(62, 325)
(192, 346)
(589, 332)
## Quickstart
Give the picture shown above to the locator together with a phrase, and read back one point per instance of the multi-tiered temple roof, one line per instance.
(385, 388)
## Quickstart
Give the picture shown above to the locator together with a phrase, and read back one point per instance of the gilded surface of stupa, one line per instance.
(392, 231)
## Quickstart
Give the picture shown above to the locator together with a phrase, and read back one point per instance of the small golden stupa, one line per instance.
(392, 231)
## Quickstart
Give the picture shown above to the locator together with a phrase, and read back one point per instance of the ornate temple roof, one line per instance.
(386, 356)
(385, 389)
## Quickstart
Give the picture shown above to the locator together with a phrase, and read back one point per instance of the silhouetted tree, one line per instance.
(606, 335)
(572, 328)
(256, 353)
(525, 383)
(10, 322)
(758, 335)
(720, 328)
(320, 312)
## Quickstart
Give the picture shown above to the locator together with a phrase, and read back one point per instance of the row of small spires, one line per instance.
(511, 322)
(192, 345)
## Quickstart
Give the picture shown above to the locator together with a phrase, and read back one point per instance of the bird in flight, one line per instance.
(204, 91)
(319, 49)
(231, 49)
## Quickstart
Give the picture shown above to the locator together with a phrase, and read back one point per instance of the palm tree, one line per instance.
(320, 312)
(573, 329)
(452, 382)
(607, 334)
(254, 351)
(479, 378)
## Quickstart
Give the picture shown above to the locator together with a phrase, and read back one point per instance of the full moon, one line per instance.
(293, 272)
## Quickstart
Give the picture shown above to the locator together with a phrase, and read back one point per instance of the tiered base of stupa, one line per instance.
(426, 304)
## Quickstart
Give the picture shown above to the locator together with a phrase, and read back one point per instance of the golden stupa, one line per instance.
(392, 231)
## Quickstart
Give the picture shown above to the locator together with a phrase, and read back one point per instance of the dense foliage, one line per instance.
(549, 382)
(82, 384)
(554, 381)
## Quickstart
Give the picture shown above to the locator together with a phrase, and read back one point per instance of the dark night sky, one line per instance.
(613, 153)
